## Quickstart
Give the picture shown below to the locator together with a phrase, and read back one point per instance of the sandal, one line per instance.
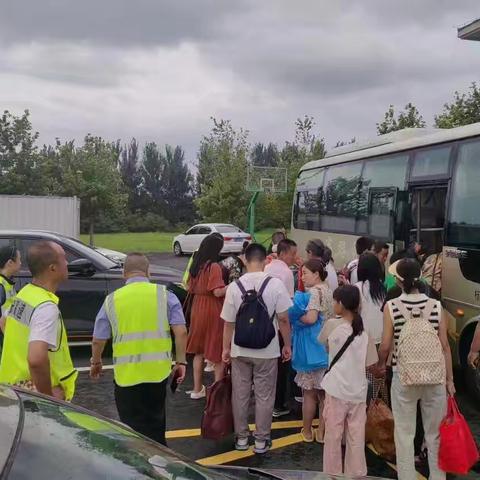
(305, 439)
(319, 439)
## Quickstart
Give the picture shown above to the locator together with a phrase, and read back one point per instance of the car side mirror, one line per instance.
(81, 266)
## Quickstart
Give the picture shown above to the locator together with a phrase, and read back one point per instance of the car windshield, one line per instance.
(227, 229)
(90, 253)
(62, 441)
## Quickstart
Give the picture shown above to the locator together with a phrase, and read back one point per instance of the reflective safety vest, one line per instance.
(142, 345)
(186, 273)
(14, 363)
(10, 292)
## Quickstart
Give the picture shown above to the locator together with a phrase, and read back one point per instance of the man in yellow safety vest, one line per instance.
(138, 318)
(35, 350)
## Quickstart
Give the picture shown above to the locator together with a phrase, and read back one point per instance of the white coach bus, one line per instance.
(410, 185)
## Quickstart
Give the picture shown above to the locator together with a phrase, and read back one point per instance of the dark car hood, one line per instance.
(157, 274)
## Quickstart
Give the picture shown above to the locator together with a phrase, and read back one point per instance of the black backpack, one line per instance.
(253, 325)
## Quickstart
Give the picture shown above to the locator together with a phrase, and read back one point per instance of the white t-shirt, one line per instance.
(332, 278)
(352, 268)
(371, 312)
(347, 379)
(45, 324)
(279, 269)
(276, 299)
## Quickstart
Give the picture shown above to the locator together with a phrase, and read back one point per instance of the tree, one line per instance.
(177, 185)
(262, 156)
(409, 118)
(90, 172)
(18, 155)
(128, 165)
(151, 170)
(275, 210)
(222, 174)
(464, 110)
(343, 143)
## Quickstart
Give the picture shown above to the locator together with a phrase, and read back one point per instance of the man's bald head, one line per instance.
(41, 256)
(135, 263)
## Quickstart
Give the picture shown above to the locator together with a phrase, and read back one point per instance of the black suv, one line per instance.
(92, 277)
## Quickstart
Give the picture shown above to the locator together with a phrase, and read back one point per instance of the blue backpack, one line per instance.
(254, 327)
(308, 354)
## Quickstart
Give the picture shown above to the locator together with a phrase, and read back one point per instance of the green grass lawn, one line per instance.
(149, 242)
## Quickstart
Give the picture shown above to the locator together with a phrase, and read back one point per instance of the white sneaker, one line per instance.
(241, 444)
(262, 446)
(201, 394)
(209, 367)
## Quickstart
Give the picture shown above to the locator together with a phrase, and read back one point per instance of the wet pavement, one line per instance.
(184, 416)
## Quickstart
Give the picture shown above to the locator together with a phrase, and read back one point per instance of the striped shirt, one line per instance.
(410, 301)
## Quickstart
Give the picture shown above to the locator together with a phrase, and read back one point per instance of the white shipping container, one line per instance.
(53, 214)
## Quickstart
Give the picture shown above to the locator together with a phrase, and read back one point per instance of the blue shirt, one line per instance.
(103, 330)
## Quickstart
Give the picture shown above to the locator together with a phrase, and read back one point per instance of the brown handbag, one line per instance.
(217, 420)
(380, 427)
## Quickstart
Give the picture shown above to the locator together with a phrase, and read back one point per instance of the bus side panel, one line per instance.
(462, 299)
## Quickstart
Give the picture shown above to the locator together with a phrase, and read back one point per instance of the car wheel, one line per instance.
(177, 249)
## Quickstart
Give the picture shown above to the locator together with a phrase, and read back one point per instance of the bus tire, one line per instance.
(471, 375)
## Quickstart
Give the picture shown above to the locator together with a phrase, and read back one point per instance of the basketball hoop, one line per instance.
(266, 179)
(270, 180)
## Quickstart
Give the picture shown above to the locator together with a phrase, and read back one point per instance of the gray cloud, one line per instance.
(121, 23)
(158, 70)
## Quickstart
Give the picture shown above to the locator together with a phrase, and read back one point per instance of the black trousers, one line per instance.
(142, 407)
(286, 386)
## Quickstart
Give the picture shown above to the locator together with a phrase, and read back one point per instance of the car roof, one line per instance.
(43, 233)
(215, 225)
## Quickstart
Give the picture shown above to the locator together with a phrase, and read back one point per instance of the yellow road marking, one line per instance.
(392, 465)
(195, 432)
(236, 455)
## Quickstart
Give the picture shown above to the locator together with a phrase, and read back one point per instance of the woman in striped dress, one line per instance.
(432, 395)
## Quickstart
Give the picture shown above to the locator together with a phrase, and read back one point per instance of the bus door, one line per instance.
(427, 215)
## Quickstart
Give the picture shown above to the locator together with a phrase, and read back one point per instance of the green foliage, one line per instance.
(409, 118)
(222, 174)
(464, 110)
(177, 187)
(18, 155)
(128, 165)
(90, 173)
(275, 210)
(262, 156)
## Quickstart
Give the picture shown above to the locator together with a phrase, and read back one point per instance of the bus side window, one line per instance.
(381, 212)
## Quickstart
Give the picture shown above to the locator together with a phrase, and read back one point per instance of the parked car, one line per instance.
(113, 255)
(189, 241)
(92, 276)
(45, 438)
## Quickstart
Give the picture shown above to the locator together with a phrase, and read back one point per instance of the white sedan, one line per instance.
(189, 241)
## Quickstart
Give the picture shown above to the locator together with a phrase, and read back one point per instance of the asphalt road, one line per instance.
(184, 416)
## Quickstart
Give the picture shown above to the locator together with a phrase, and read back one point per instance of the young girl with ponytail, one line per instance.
(350, 351)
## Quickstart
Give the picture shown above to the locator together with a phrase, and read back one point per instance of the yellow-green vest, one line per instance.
(9, 293)
(186, 273)
(142, 345)
(14, 363)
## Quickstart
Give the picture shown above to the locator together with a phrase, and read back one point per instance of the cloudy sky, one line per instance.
(158, 70)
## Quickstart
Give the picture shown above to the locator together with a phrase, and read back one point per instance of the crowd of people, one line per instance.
(338, 335)
(291, 329)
